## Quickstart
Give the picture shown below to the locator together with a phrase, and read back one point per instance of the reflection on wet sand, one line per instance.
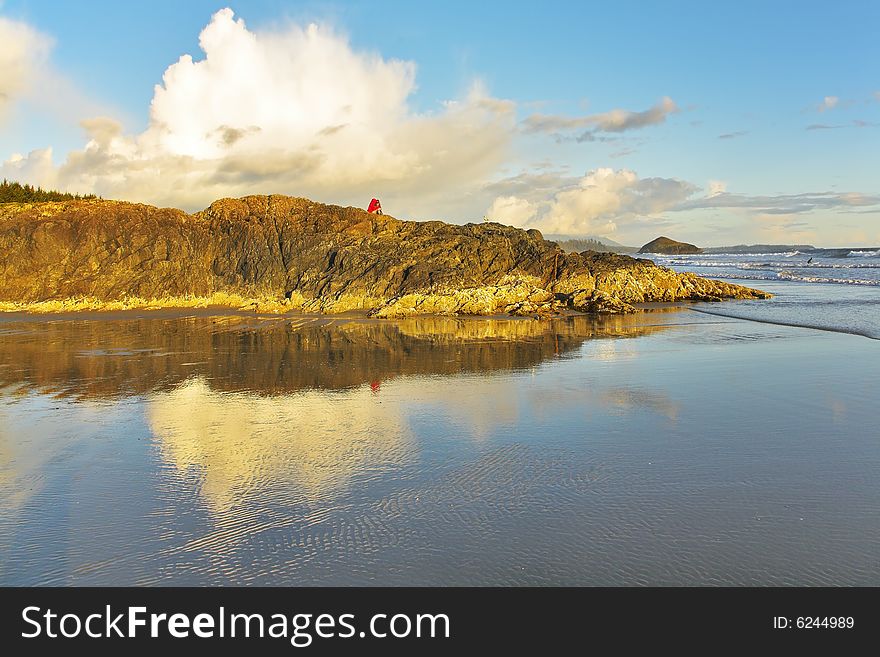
(304, 443)
(14, 495)
(296, 450)
(241, 405)
(112, 358)
(248, 450)
(303, 446)
(628, 398)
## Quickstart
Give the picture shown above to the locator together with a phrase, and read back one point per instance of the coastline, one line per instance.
(224, 302)
(209, 306)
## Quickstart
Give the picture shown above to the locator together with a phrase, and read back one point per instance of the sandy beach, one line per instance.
(669, 447)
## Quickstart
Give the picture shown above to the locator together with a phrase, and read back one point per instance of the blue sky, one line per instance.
(770, 130)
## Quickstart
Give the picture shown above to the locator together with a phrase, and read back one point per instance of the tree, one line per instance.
(13, 192)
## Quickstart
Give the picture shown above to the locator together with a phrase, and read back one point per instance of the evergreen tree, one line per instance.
(13, 192)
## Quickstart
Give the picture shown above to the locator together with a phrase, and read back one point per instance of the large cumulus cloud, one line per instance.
(295, 111)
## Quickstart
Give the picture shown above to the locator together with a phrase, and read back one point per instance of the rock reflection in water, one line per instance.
(246, 405)
(111, 358)
(242, 448)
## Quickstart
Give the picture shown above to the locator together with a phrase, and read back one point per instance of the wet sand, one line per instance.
(670, 447)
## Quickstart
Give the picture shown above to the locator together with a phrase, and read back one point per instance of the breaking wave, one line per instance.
(799, 278)
(771, 265)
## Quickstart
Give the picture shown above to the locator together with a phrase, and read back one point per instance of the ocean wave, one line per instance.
(749, 277)
(721, 253)
(819, 253)
(774, 265)
(788, 276)
(756, 255)
(797, 278)
(821, 265)
(690, 263)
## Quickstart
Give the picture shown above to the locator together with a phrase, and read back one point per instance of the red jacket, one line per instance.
(375, 207)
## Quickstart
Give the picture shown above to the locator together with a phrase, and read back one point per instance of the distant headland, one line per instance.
(761, 248)
(665, 245)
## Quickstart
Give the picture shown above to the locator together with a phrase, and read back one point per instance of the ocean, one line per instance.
(826, 289)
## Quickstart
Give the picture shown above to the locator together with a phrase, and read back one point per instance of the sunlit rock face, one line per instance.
(284, 253)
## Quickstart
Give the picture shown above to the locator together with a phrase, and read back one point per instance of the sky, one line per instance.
(713, 123)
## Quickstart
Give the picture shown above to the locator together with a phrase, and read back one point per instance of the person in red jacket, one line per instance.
(375, 207)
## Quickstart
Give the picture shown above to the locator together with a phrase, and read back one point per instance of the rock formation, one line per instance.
(283, 253)
(667, 246)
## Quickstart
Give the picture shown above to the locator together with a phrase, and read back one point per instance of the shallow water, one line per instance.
(828, 307)
(666, 448)
(847, 266)
(827, 289)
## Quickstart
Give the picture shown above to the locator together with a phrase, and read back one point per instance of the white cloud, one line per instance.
(534, 186)
(512, 210)
(616, 120)
(717, 187)
(294, 111)
(785, 204)
(599, 202)
(29, 85)
(23, 53)
(36, 166)
(619, 203)
(621, 120)
(828, 103)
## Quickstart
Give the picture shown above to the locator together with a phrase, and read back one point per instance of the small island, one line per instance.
(667, 246)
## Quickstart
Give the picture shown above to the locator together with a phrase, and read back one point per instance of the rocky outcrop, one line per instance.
(667, 246)
(283, 253)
